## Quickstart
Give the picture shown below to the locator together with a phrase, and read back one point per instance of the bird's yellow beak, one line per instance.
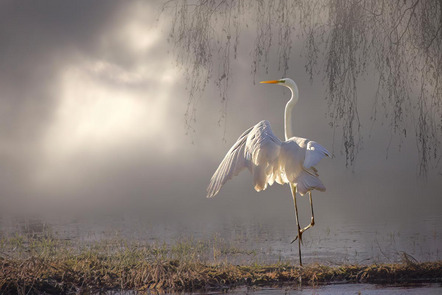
(270, 82)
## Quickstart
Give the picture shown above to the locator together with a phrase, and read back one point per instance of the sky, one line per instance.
(92, 122)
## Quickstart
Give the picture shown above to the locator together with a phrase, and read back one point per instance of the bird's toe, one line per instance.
(299, 236)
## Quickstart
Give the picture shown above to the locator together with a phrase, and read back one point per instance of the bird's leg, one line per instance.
(299, 237)
(312, 222)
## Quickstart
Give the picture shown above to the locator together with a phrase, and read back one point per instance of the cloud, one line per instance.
(83, 96)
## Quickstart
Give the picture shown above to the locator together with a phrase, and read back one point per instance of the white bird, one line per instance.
(269, 159)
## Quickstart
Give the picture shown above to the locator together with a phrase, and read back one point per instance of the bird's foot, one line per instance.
(299, 236)
(302, 230)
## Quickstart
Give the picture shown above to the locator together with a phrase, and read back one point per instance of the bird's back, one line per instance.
(297, 159)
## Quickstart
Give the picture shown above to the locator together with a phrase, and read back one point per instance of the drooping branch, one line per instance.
(397, 42)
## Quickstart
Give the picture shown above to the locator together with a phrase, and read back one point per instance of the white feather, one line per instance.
(314, 153)
(270, 160)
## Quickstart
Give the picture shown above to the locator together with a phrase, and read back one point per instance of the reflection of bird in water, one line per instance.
(269, 159)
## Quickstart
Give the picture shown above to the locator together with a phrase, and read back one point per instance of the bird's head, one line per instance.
(287, 82)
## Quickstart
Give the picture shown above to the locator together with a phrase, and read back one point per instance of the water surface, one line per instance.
(264, 242)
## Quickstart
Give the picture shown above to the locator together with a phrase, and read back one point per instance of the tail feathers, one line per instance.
(306, 182)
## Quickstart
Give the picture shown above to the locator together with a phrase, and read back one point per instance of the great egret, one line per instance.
(269, 159)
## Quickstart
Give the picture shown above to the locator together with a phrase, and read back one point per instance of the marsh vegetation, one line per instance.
(33, 264)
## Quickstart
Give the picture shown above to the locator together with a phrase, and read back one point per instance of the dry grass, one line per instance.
(30, 266)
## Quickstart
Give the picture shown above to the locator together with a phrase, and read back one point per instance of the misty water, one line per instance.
(250, 240)
(334, 243)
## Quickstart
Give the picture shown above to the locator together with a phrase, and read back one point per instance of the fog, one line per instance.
(92, 124)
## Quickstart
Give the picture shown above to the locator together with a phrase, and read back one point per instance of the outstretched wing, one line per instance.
(256, 149)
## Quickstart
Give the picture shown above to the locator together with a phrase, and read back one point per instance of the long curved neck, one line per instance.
(288, 123)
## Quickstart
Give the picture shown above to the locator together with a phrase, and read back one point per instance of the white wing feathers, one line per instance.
(257, 149)
(233, 163)
(314, 153)
(270, 160)
(261, 153)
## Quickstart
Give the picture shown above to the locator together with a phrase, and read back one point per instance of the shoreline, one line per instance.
(54, 266)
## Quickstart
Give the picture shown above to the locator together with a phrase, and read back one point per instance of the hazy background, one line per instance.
(92, 124)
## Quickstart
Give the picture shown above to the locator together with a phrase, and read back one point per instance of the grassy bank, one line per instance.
(54, 266)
